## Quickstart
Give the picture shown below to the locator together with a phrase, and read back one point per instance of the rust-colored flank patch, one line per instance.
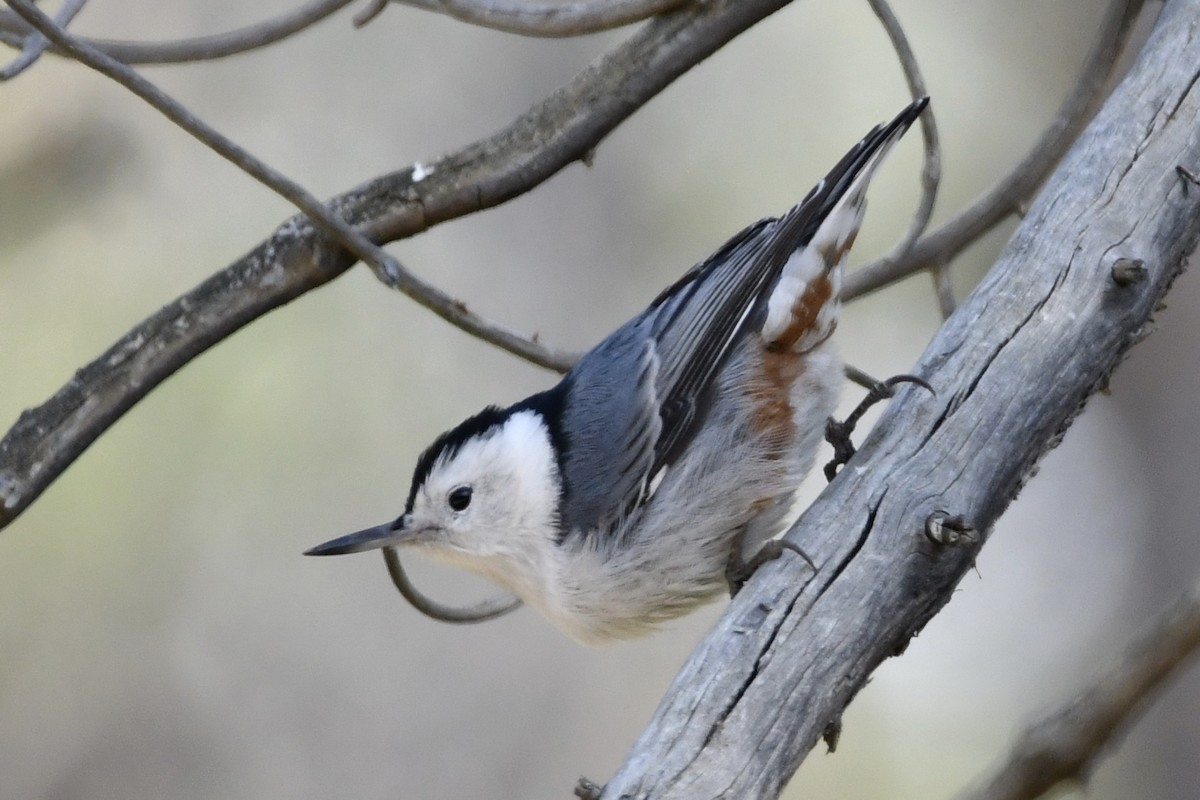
(770, 394)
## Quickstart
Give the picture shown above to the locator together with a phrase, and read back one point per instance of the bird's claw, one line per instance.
(738, 570)
(838, 433)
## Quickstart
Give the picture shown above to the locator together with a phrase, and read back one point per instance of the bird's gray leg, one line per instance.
(838, 433)
(738, 569)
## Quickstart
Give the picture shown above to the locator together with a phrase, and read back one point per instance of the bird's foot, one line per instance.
(738, 570)
(838, 433)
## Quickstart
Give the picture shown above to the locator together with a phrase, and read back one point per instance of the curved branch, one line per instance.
(569, 19)
(481, 612)
(1003, 199)
(14, 30)
(563, 128)
(931, 167)
(548, 20)
(1065, 744)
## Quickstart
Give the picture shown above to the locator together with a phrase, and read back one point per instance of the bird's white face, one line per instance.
(492, 498)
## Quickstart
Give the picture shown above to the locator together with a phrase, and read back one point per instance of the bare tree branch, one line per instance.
(1012, 367)
(35, 43)
(1000, 201)
(1066, 743)
(568, 19)
(763, 688)
(296, 258)
(931, 168)
(14, 30)
(387, 268)
(572, 18)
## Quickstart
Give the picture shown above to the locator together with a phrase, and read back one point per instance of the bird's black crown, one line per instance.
(547, 404)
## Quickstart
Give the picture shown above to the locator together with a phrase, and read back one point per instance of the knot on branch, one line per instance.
(1128, 271)
(949, 530)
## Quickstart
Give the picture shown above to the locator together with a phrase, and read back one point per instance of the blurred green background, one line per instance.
(160, 635)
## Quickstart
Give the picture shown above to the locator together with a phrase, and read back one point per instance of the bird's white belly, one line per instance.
(672, 556)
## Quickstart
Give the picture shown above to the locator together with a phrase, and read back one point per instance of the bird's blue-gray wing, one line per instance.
(610, 424)
(634, 402)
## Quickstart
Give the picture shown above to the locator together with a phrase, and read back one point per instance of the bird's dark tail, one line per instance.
(813, 238)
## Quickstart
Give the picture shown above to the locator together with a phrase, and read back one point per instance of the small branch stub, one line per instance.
(1187, 175)
(1128, 271)
(373, 10)
(588, 789)
(832, 734)
(948, 530)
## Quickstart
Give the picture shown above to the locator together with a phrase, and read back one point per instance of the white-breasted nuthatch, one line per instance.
(621, 497)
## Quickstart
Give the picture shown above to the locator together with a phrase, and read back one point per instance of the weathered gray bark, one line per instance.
(1012, 368)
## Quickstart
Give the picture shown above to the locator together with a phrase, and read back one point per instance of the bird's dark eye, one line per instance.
(459, 497)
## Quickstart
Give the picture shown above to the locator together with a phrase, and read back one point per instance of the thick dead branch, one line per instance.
(1002, 200)
(1012, 367)
(296, 258)
(1066, 743)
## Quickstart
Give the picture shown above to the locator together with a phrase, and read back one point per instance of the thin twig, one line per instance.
(36, 43)
(944, 287)
(1064, 745)
(931, 168)
(858, 376)
(548, 20)
(14, 29)
(387, 268)
(373, 10)
(992, 207)
(482, 612)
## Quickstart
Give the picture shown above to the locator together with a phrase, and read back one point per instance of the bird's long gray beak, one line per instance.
(389, 533)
